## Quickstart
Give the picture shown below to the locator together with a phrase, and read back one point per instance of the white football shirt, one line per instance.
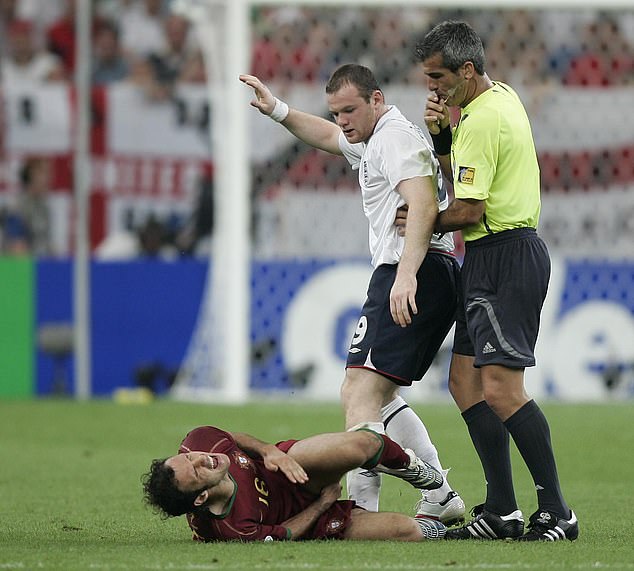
(396, 151)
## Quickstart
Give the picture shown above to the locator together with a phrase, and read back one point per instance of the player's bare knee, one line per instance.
(498, 389)
(454, 386)
(364, 445)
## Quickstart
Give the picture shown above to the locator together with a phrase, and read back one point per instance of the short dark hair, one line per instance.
(353, 74)
(160, 491)
(457, 42)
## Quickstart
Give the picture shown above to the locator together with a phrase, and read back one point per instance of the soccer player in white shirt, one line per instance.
(412, 296)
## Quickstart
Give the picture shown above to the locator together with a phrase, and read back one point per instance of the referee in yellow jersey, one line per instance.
(490, 158)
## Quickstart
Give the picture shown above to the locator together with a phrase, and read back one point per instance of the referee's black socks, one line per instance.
(531, 433)
(491, 441)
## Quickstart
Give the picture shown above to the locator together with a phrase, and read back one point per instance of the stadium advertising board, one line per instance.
(303, 315)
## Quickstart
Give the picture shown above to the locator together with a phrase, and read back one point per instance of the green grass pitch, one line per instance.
(71, 495)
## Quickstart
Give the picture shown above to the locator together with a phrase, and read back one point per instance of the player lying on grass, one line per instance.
(233, 486)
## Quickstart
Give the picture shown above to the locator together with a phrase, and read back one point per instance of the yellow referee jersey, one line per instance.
(493, 159)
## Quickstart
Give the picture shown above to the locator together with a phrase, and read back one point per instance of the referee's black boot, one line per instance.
(547, 526)
(487, 525)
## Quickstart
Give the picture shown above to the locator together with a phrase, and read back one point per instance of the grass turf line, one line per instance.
(71, 493)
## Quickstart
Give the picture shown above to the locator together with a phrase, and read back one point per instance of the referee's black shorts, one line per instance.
(404, 354)
(504, 280)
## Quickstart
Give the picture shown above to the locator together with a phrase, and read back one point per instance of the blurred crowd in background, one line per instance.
(132, 40)
(145, 44)
(584, 48)
(142, 41)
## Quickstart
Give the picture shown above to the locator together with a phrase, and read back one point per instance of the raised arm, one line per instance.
(313, 130)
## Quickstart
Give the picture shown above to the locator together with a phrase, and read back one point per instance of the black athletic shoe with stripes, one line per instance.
(487, 525)
(547, 526)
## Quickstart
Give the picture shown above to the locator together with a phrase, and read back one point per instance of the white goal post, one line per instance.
(217, 363)
(216, 366)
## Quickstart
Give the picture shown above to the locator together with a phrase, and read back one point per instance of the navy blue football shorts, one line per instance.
(404, 354)
(504, 280)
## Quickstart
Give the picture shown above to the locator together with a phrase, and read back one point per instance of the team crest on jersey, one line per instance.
(466, 175)
(242, 460)
(334, 525)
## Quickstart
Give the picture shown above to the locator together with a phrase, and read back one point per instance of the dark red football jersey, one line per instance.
(262, 500)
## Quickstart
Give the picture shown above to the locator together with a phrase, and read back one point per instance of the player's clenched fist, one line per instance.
(436, 114)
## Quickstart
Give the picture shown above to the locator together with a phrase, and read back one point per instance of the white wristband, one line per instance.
(280, 111)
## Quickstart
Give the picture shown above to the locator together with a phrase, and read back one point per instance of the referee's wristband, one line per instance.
(280, 111)
(442, 141)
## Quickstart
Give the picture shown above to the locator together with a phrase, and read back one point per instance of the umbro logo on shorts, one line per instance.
(488, 348)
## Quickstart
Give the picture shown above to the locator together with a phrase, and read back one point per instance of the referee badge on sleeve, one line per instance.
(466, 175)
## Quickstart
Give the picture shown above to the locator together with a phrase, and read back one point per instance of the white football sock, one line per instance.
(406, 428)
(364, 485)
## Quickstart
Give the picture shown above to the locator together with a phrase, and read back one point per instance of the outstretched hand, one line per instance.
(264, 100)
